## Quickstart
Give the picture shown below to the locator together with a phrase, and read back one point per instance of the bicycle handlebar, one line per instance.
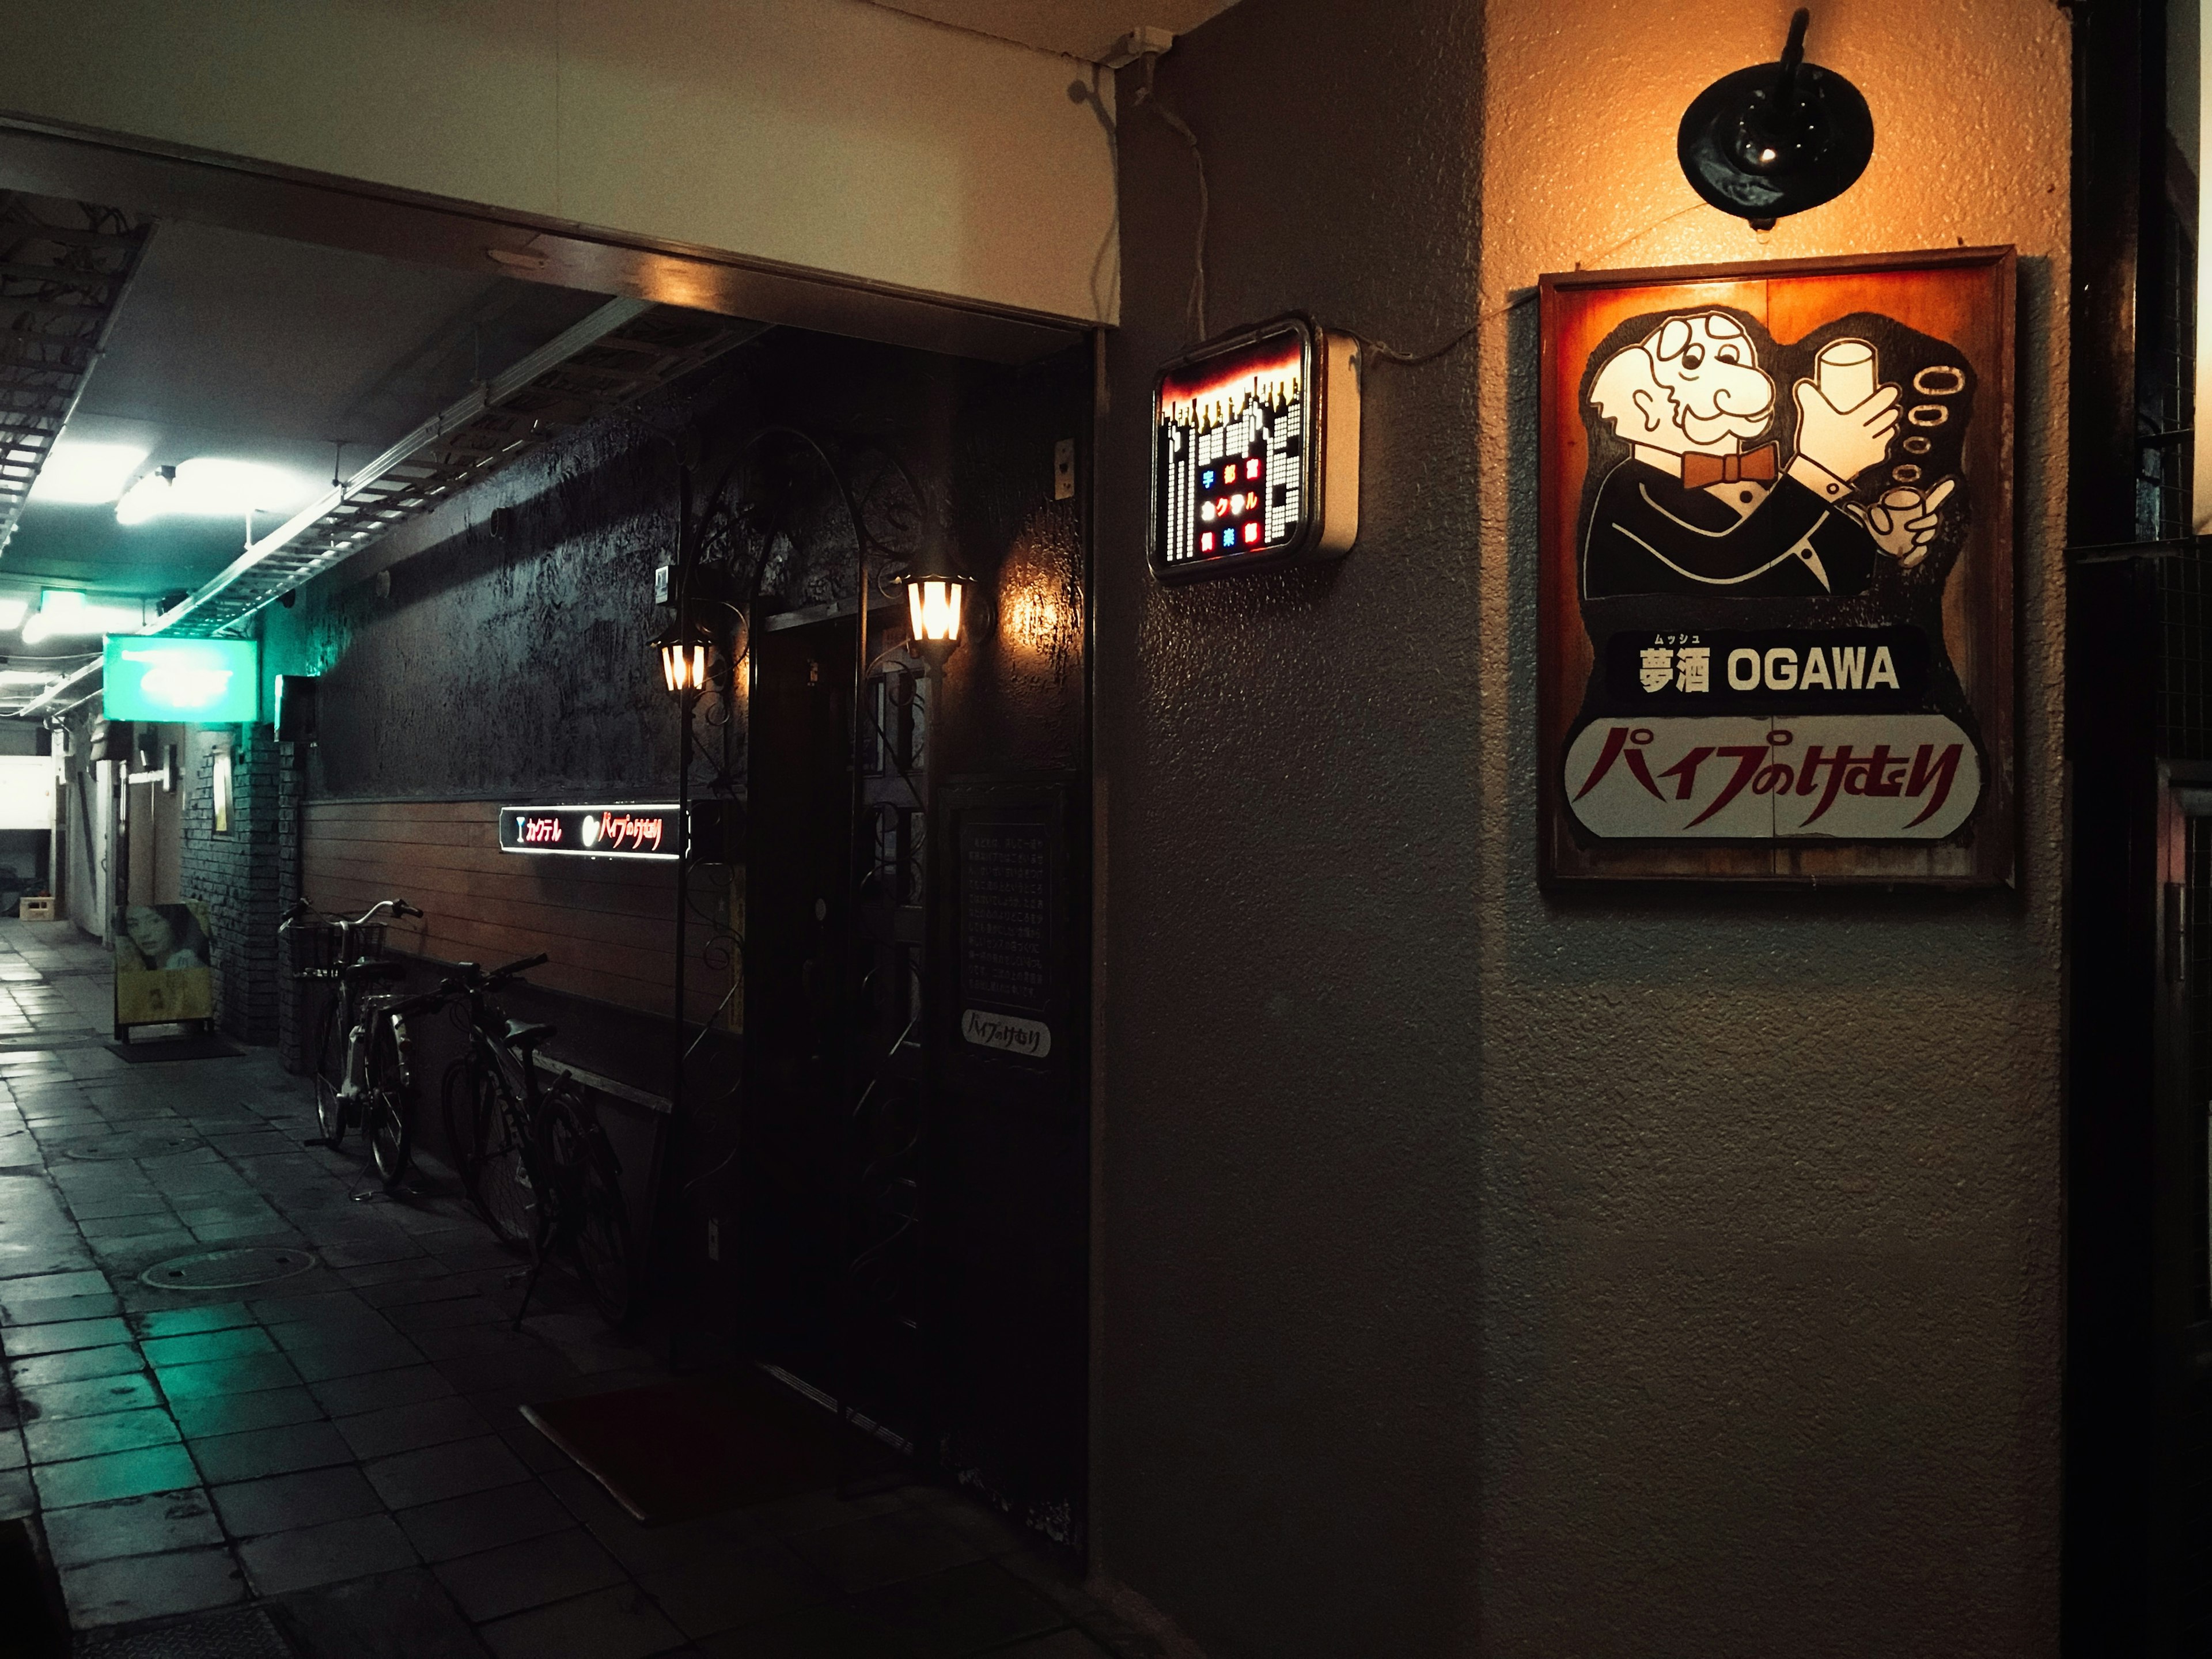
(523, 966)
(303, 911)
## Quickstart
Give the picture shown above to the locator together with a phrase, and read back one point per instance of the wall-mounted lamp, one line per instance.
(938, 602)
(1777, 138)
(685, 654)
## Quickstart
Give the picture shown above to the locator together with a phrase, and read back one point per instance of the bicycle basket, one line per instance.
(331, 946)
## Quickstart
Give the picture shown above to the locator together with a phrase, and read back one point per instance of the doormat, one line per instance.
(36, 1626)
(675, 1451)
(231, 1633)
(161, 1048)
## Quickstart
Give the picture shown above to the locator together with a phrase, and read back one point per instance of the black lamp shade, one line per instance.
(1777, 138)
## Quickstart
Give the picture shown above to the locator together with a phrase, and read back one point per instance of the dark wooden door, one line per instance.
(797, 995)
(2180, 1223)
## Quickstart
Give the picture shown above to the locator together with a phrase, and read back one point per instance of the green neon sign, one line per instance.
(203, 681)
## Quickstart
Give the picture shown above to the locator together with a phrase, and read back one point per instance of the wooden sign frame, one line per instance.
(1753, 666)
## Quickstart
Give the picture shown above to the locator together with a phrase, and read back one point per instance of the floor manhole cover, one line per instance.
(223, 1270)
(138, 1143)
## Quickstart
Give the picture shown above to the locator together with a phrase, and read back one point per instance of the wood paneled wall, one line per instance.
(609, 926)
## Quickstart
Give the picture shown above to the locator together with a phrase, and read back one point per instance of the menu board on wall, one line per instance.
(1776, 591)
(1009, 977)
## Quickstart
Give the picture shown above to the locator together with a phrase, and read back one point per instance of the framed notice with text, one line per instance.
(1776, 593)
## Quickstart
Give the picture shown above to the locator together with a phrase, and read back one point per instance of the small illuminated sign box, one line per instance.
(201, 682)
(1256, 451)
(625, 831)
(591, 832)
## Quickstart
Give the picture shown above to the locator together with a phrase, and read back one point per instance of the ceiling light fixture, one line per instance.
(149, 498)
(65, 613)
(78, 473)
(12, 613)
(213, 487)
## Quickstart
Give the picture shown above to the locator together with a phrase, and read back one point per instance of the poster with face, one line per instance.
(163, 965)
(1775, 588)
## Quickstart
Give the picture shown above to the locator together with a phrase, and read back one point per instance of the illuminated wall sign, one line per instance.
(1256, 451)
(1775, 584)
(591, 832)
(204, 681)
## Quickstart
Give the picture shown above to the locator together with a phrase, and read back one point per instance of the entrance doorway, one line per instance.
(915, 1135)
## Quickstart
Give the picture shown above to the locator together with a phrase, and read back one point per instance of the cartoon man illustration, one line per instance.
(1694, 510)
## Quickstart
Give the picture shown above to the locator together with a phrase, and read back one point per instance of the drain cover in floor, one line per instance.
(233, 1633)
(224, 1270)
(138, 1143)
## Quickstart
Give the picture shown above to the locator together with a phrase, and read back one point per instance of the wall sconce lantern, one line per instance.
(938, 602)
(685, 653)
(1777, 138)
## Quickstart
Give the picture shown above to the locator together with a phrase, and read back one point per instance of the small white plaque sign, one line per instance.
(1029, 1038)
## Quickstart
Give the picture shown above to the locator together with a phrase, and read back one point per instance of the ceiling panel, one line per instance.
(258, 348)
(1079, 28)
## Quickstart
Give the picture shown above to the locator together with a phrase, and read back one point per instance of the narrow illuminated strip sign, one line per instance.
(591, 832)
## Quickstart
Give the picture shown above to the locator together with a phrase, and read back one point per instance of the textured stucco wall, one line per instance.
(1608, 1274)
(1283, 1458)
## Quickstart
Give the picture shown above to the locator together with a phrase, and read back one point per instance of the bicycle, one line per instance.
(361, 1048)
(532, 1161)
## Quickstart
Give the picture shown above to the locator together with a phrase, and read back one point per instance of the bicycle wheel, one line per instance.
(388, 1098)
(456, 1098)
(507, 1184)
(596, 1222)
(329, 1069)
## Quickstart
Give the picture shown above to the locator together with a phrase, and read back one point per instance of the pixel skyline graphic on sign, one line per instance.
(1231, 437)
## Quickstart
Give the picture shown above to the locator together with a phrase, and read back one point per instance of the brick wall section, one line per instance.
(236, 874)
(289, 783)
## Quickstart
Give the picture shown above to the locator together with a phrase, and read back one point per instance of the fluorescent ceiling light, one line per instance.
(65, 613)
(81, 473)
(212, 487)
(147, 499)
(12, 613)
(25, 676)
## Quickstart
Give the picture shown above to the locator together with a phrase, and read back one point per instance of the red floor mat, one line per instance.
(697, 1446)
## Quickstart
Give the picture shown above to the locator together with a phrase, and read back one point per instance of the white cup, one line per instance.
(1844, 371)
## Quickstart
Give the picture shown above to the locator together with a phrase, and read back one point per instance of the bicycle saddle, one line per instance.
(527, 1037)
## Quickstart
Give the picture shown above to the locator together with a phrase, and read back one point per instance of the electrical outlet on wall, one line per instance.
(1063, 469)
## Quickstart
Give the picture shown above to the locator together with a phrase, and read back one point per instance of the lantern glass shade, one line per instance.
(685, 657)
(934, 608)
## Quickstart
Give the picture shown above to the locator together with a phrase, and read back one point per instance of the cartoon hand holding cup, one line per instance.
(1846, 422)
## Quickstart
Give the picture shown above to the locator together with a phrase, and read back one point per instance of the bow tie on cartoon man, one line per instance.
(1693, 510)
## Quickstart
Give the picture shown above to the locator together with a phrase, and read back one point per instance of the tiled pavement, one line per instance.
(345, 1445)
